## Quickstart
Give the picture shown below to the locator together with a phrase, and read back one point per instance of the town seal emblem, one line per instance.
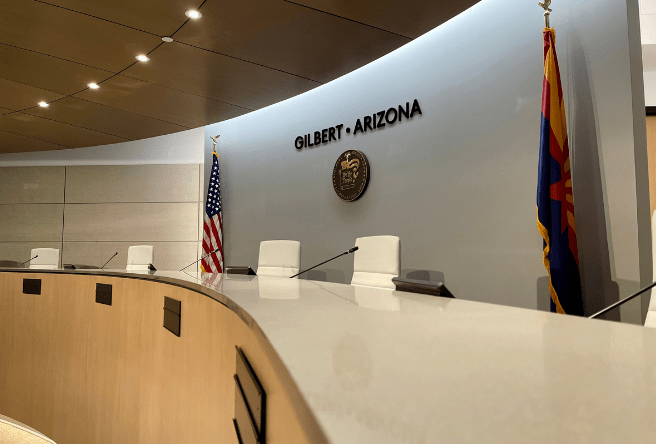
(350, 175)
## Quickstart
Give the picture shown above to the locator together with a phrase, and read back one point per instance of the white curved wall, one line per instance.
(458, 183)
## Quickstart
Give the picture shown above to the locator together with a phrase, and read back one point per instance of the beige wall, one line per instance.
(90, 212)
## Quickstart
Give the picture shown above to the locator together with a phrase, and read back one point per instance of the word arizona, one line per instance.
(381, 118)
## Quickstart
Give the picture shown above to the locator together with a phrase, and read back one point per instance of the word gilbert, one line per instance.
(375, 121)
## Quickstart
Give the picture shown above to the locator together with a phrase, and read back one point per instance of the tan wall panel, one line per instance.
(31, 185)
(202, 191)
(31, 222)
(169, 256)
(132, 222)
(20, 251)
(132, 183)
(201, 224)
(651, 151)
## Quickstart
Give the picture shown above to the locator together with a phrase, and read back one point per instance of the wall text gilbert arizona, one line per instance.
(375, 121)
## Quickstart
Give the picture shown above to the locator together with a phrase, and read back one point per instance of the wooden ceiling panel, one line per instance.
(219, 77)
(16, 143)
(46, 72)
(105, 119)
(76, 37)
(155, 16)
(410, 19)
(55, 132)
(161, 103)
(239, 57)
(17, 96)
(289, 37)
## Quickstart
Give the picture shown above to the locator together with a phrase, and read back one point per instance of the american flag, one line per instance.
(213, 223)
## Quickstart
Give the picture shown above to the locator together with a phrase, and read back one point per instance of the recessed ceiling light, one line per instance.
(43, 104)
(167, 39)
(142, 58)
(193, 14)
(93, 85)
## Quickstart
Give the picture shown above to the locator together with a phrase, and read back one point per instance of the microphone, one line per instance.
(208, 254)
(109, 260)
(27, 261)
(349, 251)
(622, 301)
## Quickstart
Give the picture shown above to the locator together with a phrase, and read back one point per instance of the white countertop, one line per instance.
(380, 366)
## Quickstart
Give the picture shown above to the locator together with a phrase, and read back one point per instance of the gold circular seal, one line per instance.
(350, 175)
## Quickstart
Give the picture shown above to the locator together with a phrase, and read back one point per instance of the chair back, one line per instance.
(281, 258)
(140, 257)
(48, 259)
(377, 261)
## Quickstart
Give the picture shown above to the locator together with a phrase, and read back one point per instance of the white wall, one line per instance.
(185, 147)
(458, 183)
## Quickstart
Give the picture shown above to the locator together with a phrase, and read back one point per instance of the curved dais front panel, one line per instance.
(87, 372)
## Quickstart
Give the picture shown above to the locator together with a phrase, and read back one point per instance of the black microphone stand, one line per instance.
(352, 250)
(208, 254)
(109, 260)
(622, 301)
(27, 261)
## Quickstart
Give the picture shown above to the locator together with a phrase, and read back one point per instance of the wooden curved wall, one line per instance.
(82, 372)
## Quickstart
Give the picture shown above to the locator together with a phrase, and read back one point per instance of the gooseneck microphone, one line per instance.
(208, 254)
(352, 250)
(109, 260)
(27, 261)
(622, 301)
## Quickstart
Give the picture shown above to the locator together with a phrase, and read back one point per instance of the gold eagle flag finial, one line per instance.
(215, 139)
(545, 5)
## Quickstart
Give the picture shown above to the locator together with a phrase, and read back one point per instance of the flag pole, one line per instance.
(547, 12)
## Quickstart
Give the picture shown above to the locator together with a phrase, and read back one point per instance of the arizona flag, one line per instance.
(213, 222)
(555, 198)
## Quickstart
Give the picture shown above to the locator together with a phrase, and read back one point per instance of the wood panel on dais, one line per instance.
(82, 372)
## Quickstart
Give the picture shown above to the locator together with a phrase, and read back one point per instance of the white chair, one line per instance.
(650, 320)
(140, 257)
(48, 259)
(377, 261)
(280, 258)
